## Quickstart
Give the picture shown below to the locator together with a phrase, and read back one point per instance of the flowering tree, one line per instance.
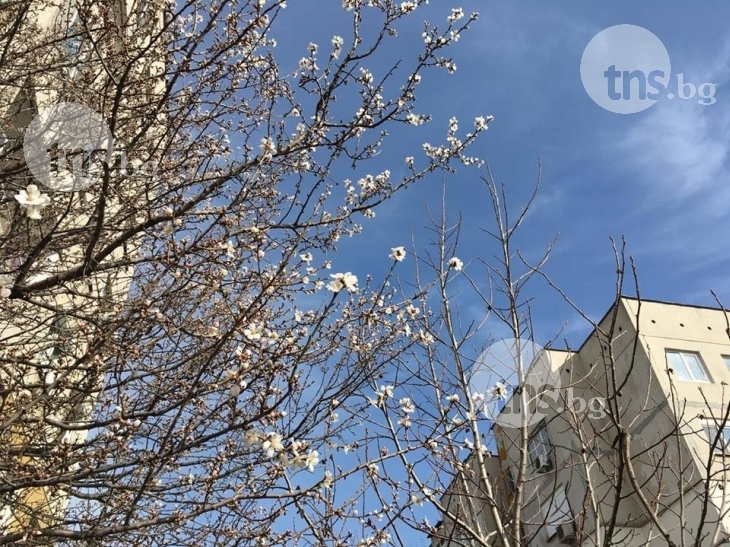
(185, 360)
(177, 338)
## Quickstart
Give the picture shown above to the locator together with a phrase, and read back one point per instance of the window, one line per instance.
(145, 12)
(711, 432)
(726, 358)
(72, 29)
(556, 512)
(540, 450)
(510, 482)
(687, 366)
(58, 344)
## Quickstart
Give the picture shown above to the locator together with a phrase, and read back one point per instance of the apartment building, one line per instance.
(56, 52)
(633, 446)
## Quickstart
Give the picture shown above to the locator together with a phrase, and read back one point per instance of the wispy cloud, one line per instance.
(681, 152)
(677, 157)
(672, 165)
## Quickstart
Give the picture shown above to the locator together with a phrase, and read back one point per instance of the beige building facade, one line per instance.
(633, 445)
(47, 370)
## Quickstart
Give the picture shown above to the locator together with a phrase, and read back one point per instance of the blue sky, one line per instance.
(659, 177)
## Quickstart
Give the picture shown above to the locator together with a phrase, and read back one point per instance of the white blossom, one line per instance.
(499, 390)
(456, 264)
(456, 14)
(267, 148)
(343, 281)
(308, 63)
(337, 43)
(398, 254)
(272, 444)
(252, 437)
(306, 257)
(414, 119)
(33, 200)
(312, 460)
(407, 405)
(425, 337)
(253, 332)
(481, 123)
(407, 7)
(477, 398)
(328, 480)
(366, 76)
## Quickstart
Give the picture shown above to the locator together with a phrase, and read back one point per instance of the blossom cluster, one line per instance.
(272, 445)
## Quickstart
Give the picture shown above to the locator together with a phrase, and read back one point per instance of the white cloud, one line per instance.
(680, 151)
(675, 160)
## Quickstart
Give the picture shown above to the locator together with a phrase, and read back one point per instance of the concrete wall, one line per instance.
(630, 375)
(25, 328)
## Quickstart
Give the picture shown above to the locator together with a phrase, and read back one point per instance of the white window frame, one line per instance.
(539, 444)
(556, 511)
(726, 359)
(687, 375)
